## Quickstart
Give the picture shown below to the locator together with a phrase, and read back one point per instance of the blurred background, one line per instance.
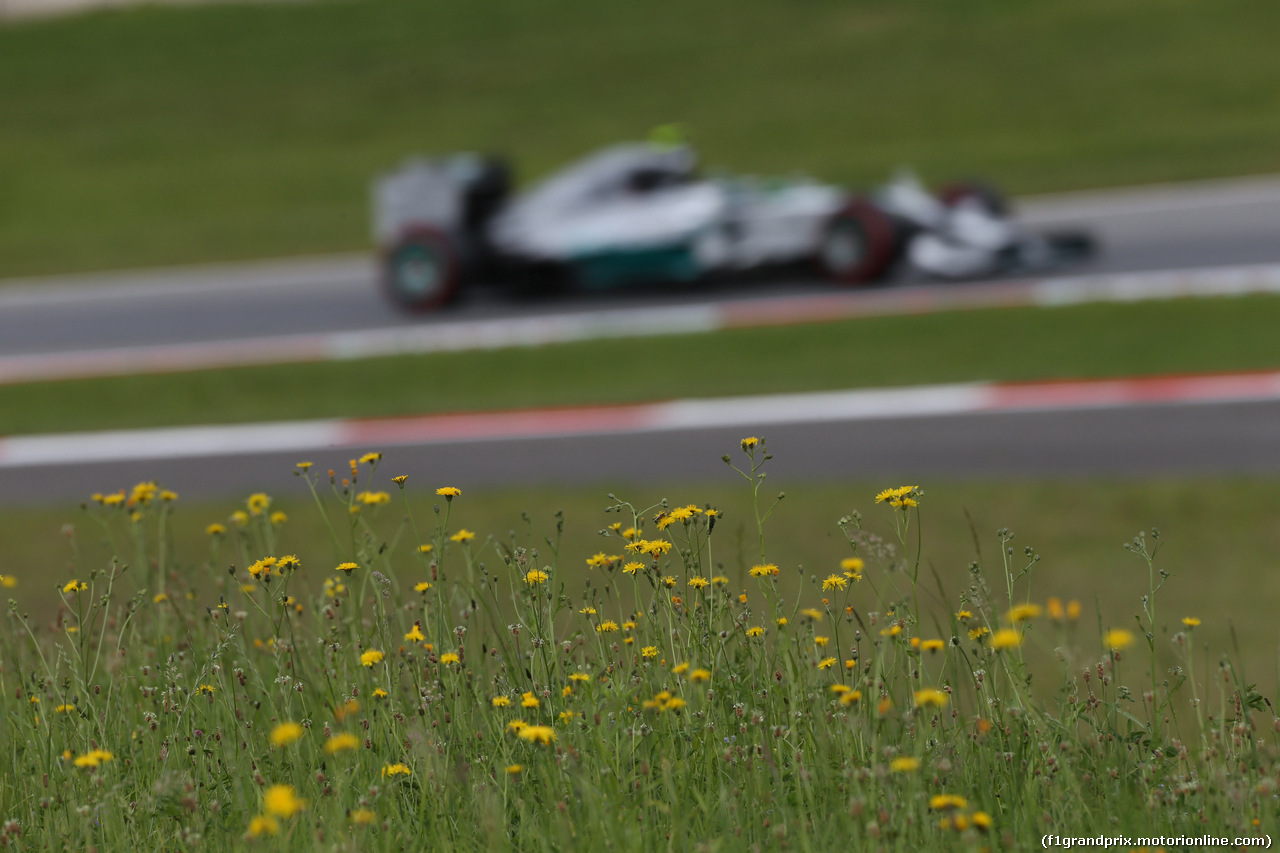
(185, 256)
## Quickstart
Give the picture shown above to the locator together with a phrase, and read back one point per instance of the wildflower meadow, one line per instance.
(434, 687)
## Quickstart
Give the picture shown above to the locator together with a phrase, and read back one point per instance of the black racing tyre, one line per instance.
(858, 244)
(420, 271)
(988, 196)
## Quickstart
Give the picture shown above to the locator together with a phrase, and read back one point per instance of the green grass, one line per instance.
(1220, 535)
(1005, 344)
(756, 750)
(159, 135)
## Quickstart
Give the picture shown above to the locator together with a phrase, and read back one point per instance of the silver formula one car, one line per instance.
(641, 212)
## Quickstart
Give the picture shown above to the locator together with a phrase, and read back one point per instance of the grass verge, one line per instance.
(496, 692)
(1006, 344)
(172, 135)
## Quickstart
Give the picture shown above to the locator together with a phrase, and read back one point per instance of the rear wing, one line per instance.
(420, 192)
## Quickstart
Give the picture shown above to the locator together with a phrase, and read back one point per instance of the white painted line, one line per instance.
(308, 275)
(747, 413)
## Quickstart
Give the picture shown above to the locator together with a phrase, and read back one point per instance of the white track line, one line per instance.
(539, 330)
(747, 413)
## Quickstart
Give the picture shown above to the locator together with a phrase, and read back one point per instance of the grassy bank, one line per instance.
(159, 136)
(496, 693)
(1006, 344)
(1222, 529)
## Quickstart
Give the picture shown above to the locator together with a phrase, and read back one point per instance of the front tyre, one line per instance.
(858, 244)
(420, 271)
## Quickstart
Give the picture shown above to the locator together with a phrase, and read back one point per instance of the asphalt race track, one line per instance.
(1225, 223)
(1187, 440)
(1213, 224)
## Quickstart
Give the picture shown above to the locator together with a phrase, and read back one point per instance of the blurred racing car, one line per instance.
(641, 212)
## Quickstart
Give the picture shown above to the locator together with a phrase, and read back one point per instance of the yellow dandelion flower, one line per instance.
(904, 764)
(215, 529)
(755, 631)
(450, 657)
(1073, 610)
(826, 663)
(607, 626)
(930, 698)
(1023, 612)
(933, 645)
(649, 652)
(834, 581)
(463, 535)
(286, 733)
(415, 635)
(362, 817)
(93, 758)
(449, 492)
(340, 742)
(782, 620)
(1117, 639)
(699, 582)
(749, 443)
(370, 458)
(1190, 621)
(579, 676)
(371, 657)
(892, 631)
(528, 700)
(597, 561)
(74, 586)
(979, 632)
(632, 567)
(947, 802)
(566, 716)
(64, 709)
(501, 702)
(258, 503)
(395, 770)
(516, 726)
(514, 769)
(535, 576)
(379, 693)
(263, 825)
(1005, 638)
(422, 586)
(700, 675)
(764, 570)
(346, 567)
(281, 801)
(303, 466)
(982, 821)
(538, 734)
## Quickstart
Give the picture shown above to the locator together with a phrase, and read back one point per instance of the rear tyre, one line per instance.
(420, 272)
(858, 245)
